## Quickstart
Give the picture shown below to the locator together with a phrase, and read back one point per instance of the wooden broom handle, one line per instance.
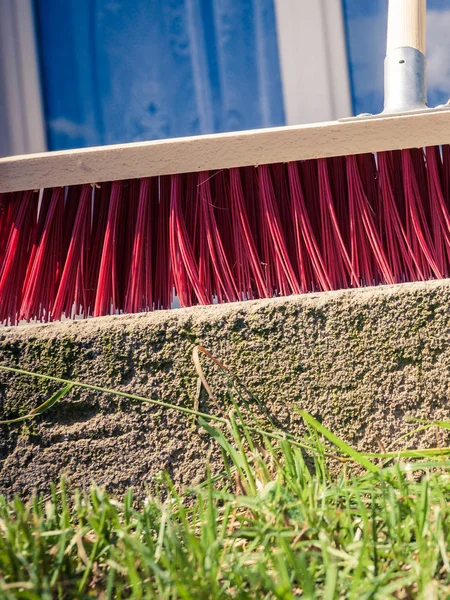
(407, 24)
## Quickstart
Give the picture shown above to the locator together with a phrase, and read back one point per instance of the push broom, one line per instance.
(221, 218)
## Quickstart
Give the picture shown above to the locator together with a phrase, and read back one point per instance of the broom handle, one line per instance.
(405, 81)
(407, 25)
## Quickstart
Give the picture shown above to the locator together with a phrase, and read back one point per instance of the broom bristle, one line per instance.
(223, 236)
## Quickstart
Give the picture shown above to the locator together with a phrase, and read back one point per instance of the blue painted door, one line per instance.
(126, 70)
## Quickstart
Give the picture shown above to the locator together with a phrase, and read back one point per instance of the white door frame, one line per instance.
(21, 112)
(313, 60)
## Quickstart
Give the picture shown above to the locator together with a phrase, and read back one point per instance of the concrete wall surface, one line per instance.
(362, 361)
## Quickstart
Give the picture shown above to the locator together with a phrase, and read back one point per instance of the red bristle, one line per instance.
(205, 268)
(337, 177)
(313, 275)
(7, 208)
(107, 298)
(189, 208)
(417, 228)
(163, 285)
(368, 172)
(121, 253)
(253, 208)
(223, 283)
(241, 266)
(98, 228)
(309, 178)
(70, 213)
(16, 254)
(127, 217)
(249, 178)
(395, 158)
(440, 215)
(284, 209)
(220, 194)
(420, 170)
(73, 284)
(335, 254)
(446, 174)
(184, 267)
(251, 276)
(38, 230)
(275, 246)
(364, 238)
(181, 253)
(82, 301)
(45, 265)
(399, 254)
(140, 283)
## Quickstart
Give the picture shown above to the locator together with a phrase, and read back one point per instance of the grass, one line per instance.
(277, 523)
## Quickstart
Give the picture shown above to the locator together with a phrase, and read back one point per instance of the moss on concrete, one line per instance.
(362, 361)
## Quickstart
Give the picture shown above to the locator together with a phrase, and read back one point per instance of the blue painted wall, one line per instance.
(126, 70)
(366, 37)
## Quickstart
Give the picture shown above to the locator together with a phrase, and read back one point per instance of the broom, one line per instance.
(222, 218)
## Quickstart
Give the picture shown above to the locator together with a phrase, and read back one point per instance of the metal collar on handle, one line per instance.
(405, 84)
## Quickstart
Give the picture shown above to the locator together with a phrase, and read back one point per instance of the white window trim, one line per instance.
(313, 60)
(21, 110)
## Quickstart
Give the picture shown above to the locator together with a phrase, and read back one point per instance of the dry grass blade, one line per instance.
(240, 387)
(200, 373)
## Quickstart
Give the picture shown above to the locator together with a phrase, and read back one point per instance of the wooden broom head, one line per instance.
(222, 151)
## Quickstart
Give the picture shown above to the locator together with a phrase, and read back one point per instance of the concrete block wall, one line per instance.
(362, 361)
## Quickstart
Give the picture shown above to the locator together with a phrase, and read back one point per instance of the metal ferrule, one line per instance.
(405, 85)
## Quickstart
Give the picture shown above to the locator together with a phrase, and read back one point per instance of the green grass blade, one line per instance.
(96, 388)
(343, 447)
(440, 424)
(57, 396)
